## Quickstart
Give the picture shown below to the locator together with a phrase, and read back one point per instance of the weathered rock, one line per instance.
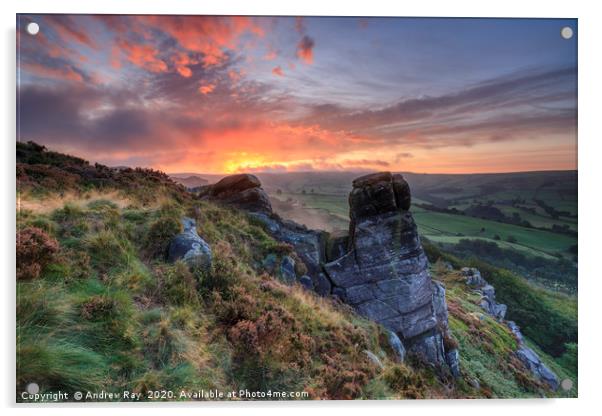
(306, 282)
(440, 304)
(397, 346)
(190, 247)
(498, 310)
(374, 359)
(322, 285)
(235, 184)
(287, 270)
(452, 358)
(516, 331)
(243, 191)
(384, 275)
(488, 302)
(307, 243)
(269, 262)
(473, 277)
(531, 360)
(474, 383)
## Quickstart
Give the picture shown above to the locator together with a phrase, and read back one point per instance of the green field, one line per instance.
(435, 224)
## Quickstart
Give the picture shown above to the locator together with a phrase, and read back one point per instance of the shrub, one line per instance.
(404, 381)
(159, 235)
(177, 284)
(35, 250)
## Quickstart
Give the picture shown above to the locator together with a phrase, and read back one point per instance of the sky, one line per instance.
(228, 94)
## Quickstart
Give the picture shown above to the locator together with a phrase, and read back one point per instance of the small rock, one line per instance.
(375, 360)
(190, 247)
(306, 282)
(269, 263)
(287, 270)
(397, 346)
(453, 361)
(474, 383)
(515, 329)
(473, 277)
(322, 285)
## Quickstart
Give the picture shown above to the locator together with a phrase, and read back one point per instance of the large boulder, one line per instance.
(384, 274)
(190, 247)
(242, 190)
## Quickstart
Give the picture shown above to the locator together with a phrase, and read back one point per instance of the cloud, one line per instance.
(366, 162)
(65, 73)
(182, 62)
(508, 106)
(305, 50)
(142, 55)
(208, 35)
(68, 30)
(206, 88)
(278, 71)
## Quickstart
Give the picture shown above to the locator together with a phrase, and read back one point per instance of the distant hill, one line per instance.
(191, 181)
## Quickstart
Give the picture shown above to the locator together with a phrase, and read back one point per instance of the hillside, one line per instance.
(100, 307)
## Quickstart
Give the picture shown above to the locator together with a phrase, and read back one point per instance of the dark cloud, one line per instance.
(305, 49)
(527, 101)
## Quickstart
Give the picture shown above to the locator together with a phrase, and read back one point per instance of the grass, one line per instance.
(132, 322)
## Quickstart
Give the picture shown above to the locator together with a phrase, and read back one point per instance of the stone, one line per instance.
(440, 304)
(242, 190)
(515, 329)
(269, 262)
(374, 359)
(306, 282)
(190, 247)
(322, 285)
(452, 358)
(287, 270)
(397, 346)
(532, 361)
(474, 383)
(308, 244)
(473, 277)
(234, 184)
(384, 273)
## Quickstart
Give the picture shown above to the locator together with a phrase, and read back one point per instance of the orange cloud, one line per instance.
(206, 88)
(278, 71)
(305, 50)
(208, 35)
(144, 56)
(182, 62)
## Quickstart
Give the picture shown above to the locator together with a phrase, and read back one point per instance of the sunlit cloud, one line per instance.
(209, 94)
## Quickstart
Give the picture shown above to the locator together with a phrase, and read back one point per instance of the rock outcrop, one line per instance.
(380, 268)
(243, 191)
(532, 361)
(384, 274)
(190, 247)
(525, 354)
(488, 302)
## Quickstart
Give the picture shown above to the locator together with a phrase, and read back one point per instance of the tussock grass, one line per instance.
(109, 312)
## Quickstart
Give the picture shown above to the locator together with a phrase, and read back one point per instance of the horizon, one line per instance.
(254, 94)
(366, 172)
